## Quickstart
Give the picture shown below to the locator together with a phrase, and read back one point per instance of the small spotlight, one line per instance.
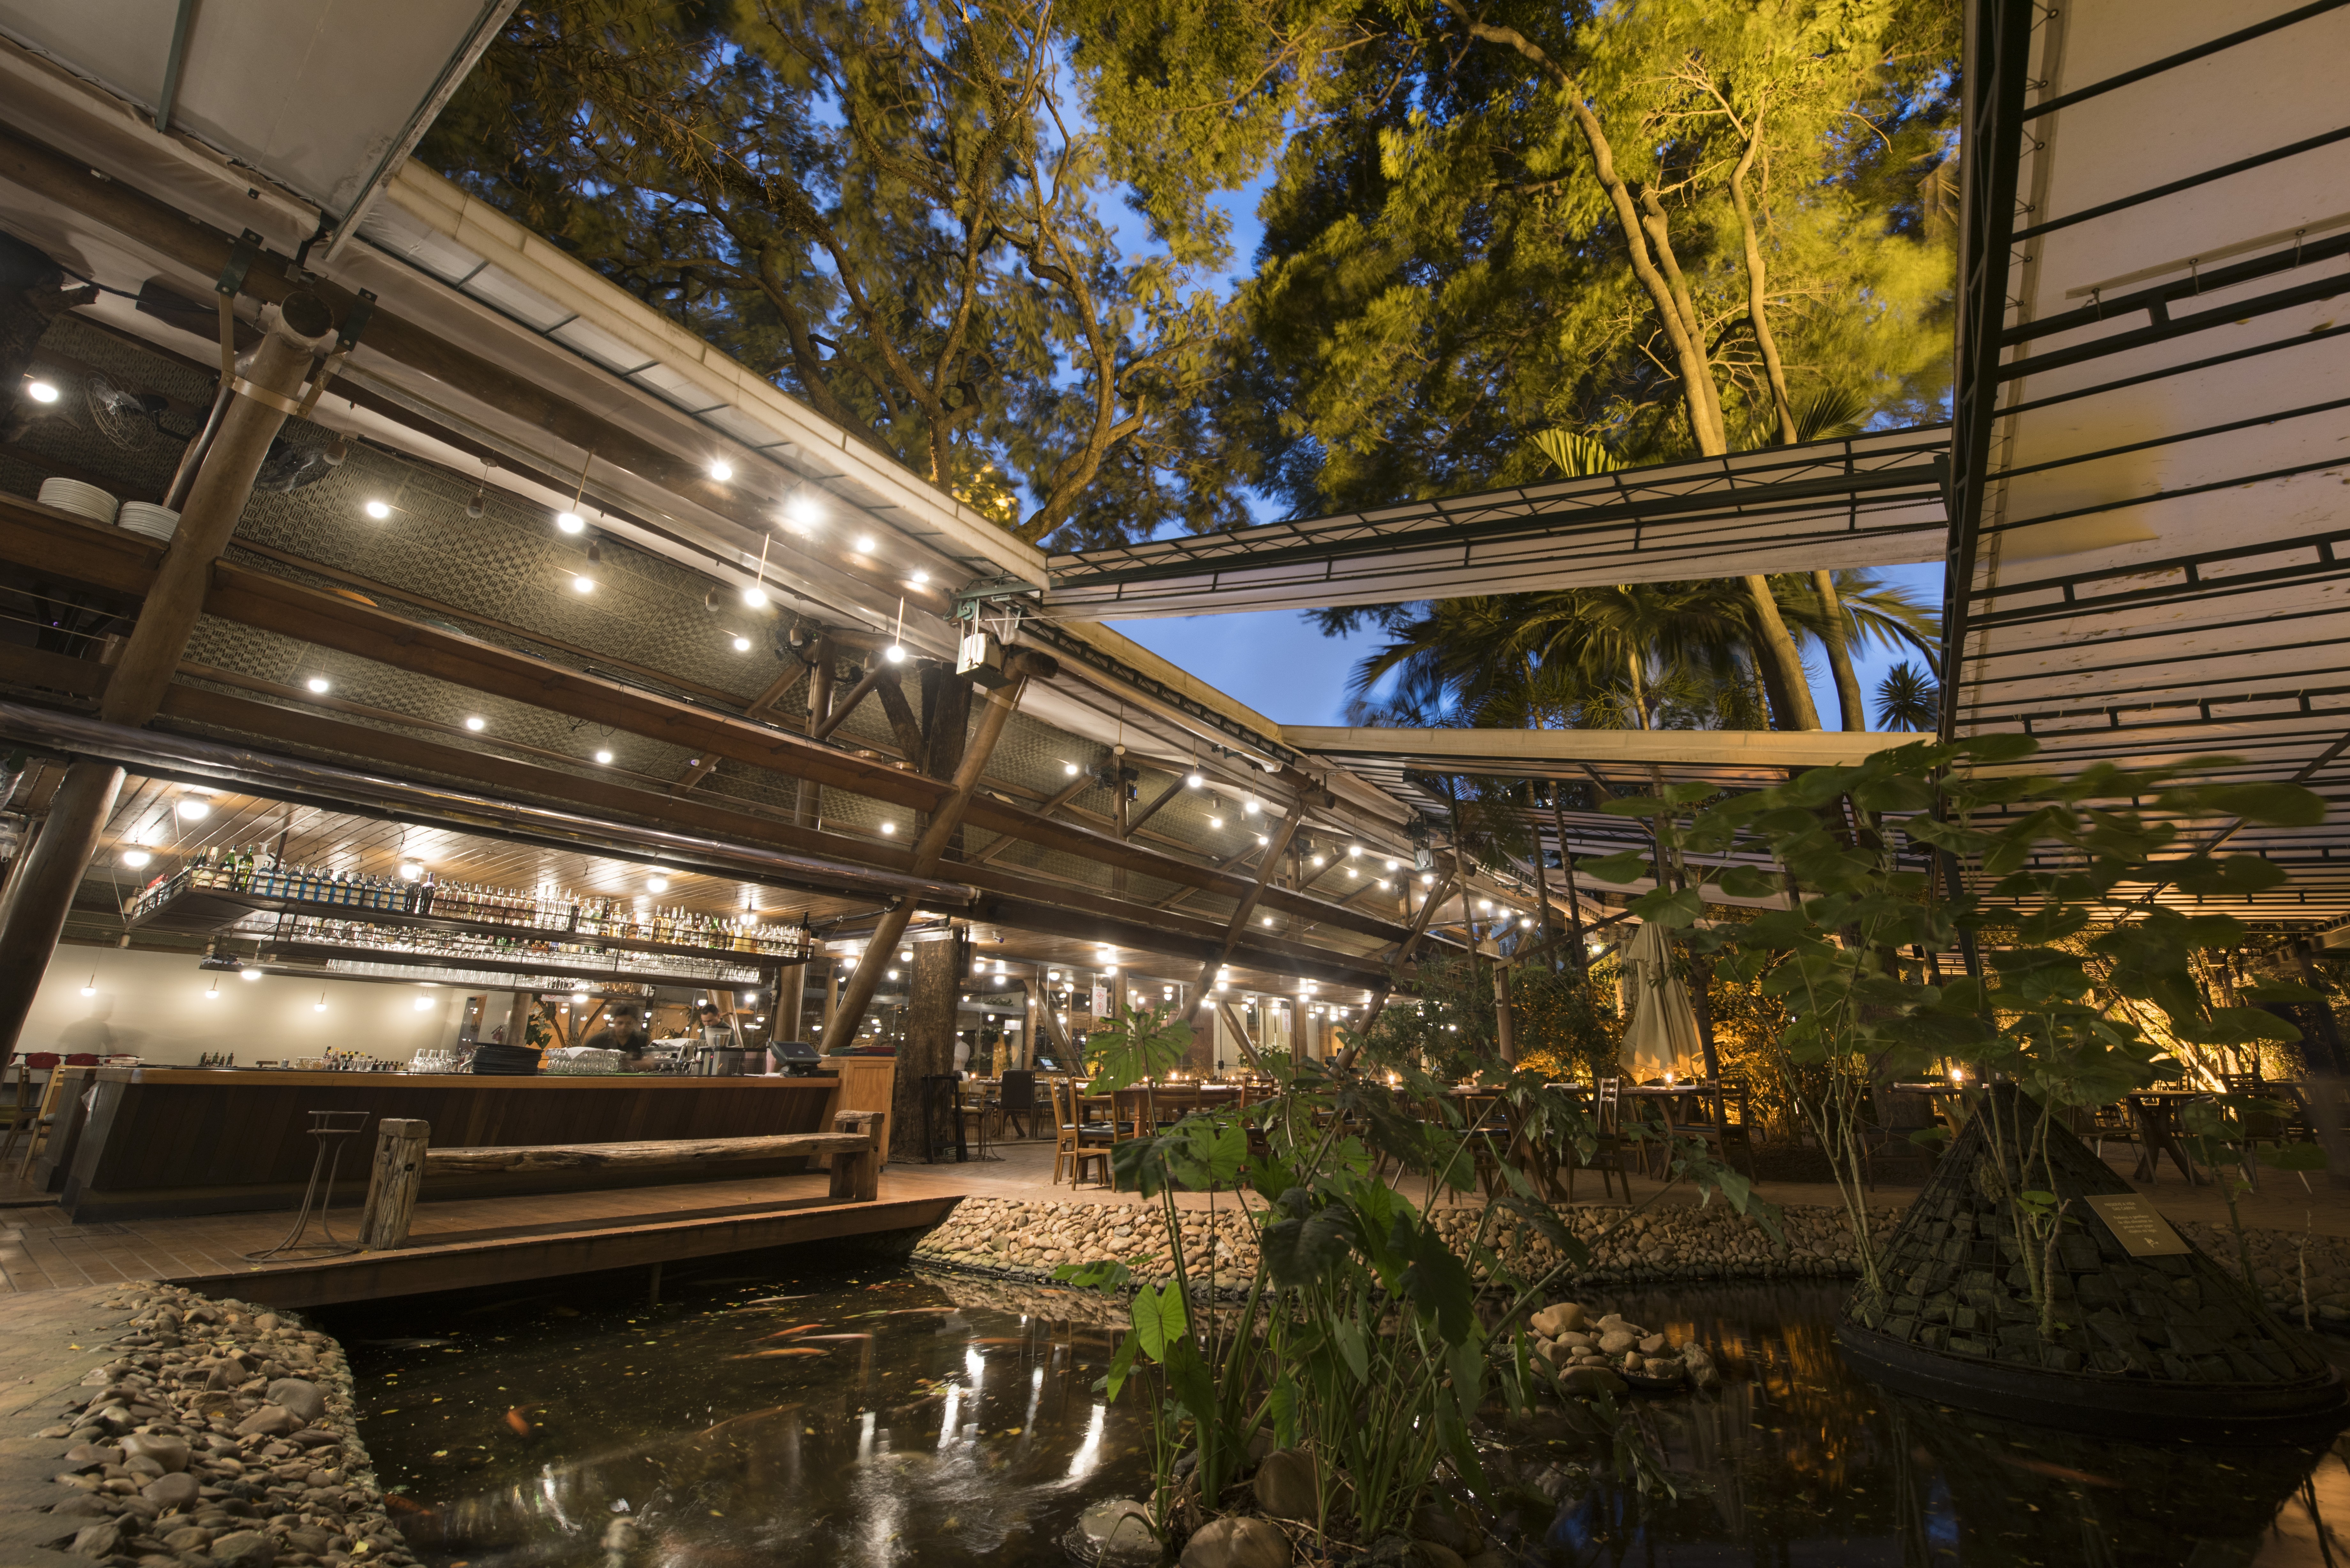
(194, 810)
(476, 723)
(658, 884)
(742, 645)
(905, 955)
(894, 654)
(422, 1003)
(755, 597)
(570, 522)
(248, 973)
(918, 577)
(1250, 806)
(803, 510)
(411, 870)
(888, 829)
(1216, 821)
(478, 504)
(1268, 919)
(891, 975)
(378, 510)
(214, 994)
(1394, 866)
(1195, 780)
(865, 544)
(317, 683)
(583, 584)
(721, 470)
(603, 757)
(41, 391)
(319, 1005)
(135, 858)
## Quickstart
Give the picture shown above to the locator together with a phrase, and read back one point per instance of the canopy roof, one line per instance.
(2150, 515)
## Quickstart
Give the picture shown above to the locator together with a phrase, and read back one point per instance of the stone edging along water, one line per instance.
(221, 1432)
(1018, 1239)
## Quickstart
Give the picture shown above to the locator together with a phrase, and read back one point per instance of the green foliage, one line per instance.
(1134, 1045)
(902, 213)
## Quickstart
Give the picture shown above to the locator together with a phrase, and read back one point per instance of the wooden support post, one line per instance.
(856, 1174)
(1436, 895)
(135, 689)
(809, 810)
(1266, 868)
(1239, 1026)
(652, 1285)
(393, 1182)
(925, 858)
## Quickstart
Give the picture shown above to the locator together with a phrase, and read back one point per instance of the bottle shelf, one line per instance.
(560, 969)
(185, 905)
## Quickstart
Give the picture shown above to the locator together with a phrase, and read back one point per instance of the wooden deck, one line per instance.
(497, 1240)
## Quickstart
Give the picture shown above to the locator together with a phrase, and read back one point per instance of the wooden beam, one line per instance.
(763, 706)
(1239, 1033)
(902, 724)
(839, 711)
(1004, 841)
(634, 1156)
(330, 620)
(1053, 1024)
(1134, 824)
(1238, 924)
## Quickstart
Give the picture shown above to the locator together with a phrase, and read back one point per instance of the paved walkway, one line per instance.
(54, 1339)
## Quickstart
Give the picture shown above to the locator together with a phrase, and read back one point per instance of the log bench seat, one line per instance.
(405, 1157)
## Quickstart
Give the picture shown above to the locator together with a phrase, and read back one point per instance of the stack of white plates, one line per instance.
(82, 500)
(146, 517)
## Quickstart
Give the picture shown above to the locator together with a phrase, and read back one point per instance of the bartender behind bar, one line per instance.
(625, 1031)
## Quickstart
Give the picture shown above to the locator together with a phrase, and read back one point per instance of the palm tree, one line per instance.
(1909, 698)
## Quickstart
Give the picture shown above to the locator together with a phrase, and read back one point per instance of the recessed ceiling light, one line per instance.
(194, 810)
(603, 756)
(742, 645)
(1070, 769)
(920, 578)
(865, 544)
(570, 522)
(248, 973)
(887, 828)
(583, 584)
(803, 510)
(721, 470)
(317, 683)
(411, 870)
(41, 391)
(659, 884)
(476, 722)
(1216, 821)
(135, 858)
(378, 510)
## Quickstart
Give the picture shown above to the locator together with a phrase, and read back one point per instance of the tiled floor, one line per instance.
(40, 1250)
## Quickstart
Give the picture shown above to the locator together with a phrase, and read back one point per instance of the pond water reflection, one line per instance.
(890, 1418)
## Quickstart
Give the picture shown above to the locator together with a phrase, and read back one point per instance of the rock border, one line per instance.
(1024, 1239)
(220, 1432)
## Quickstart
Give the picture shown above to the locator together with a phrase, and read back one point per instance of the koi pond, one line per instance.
(895, 1417)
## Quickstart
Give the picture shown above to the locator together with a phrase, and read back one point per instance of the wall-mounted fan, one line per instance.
(129, 420)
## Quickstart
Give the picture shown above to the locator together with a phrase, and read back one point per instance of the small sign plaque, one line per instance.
(2142, 1232)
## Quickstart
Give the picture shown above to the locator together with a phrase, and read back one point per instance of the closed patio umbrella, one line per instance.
(1662, 1036)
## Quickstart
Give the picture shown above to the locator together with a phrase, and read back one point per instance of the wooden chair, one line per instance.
(1608, 1155)
(1071, 1148)
(19, 1116)
(1017, 1097)
(1131, 1116)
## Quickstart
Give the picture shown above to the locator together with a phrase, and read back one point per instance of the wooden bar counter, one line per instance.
(168, 1140)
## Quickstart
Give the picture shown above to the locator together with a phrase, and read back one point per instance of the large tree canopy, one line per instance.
(903, 212)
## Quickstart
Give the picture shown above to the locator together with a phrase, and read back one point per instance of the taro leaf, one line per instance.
(1746, 882)
(2268, 804)
(1629, 866)
(1101, 1274)
(1999, 746)
(1187, 1376)
(1299, 1251)
(2294, 1155)
(1282, 1405)
(1634, 805)
(1671, 910)
(1271, 1176)
(1435, 1282)
(2279, 990)
(1141, 1165)
(1545, 1220)
(1122, 1363)
(1159, 1319)
(1205, 1152)
(1354, 1348)
(2204, 875)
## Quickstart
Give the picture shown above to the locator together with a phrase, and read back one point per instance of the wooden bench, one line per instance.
(405, 1157)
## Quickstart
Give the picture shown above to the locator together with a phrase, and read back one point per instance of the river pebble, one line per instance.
(220, 1435)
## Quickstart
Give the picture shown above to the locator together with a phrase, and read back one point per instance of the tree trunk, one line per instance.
(1847, 684)
(1781, 667)
(928, 1048)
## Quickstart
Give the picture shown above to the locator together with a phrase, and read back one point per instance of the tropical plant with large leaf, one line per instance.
(1866, 953)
